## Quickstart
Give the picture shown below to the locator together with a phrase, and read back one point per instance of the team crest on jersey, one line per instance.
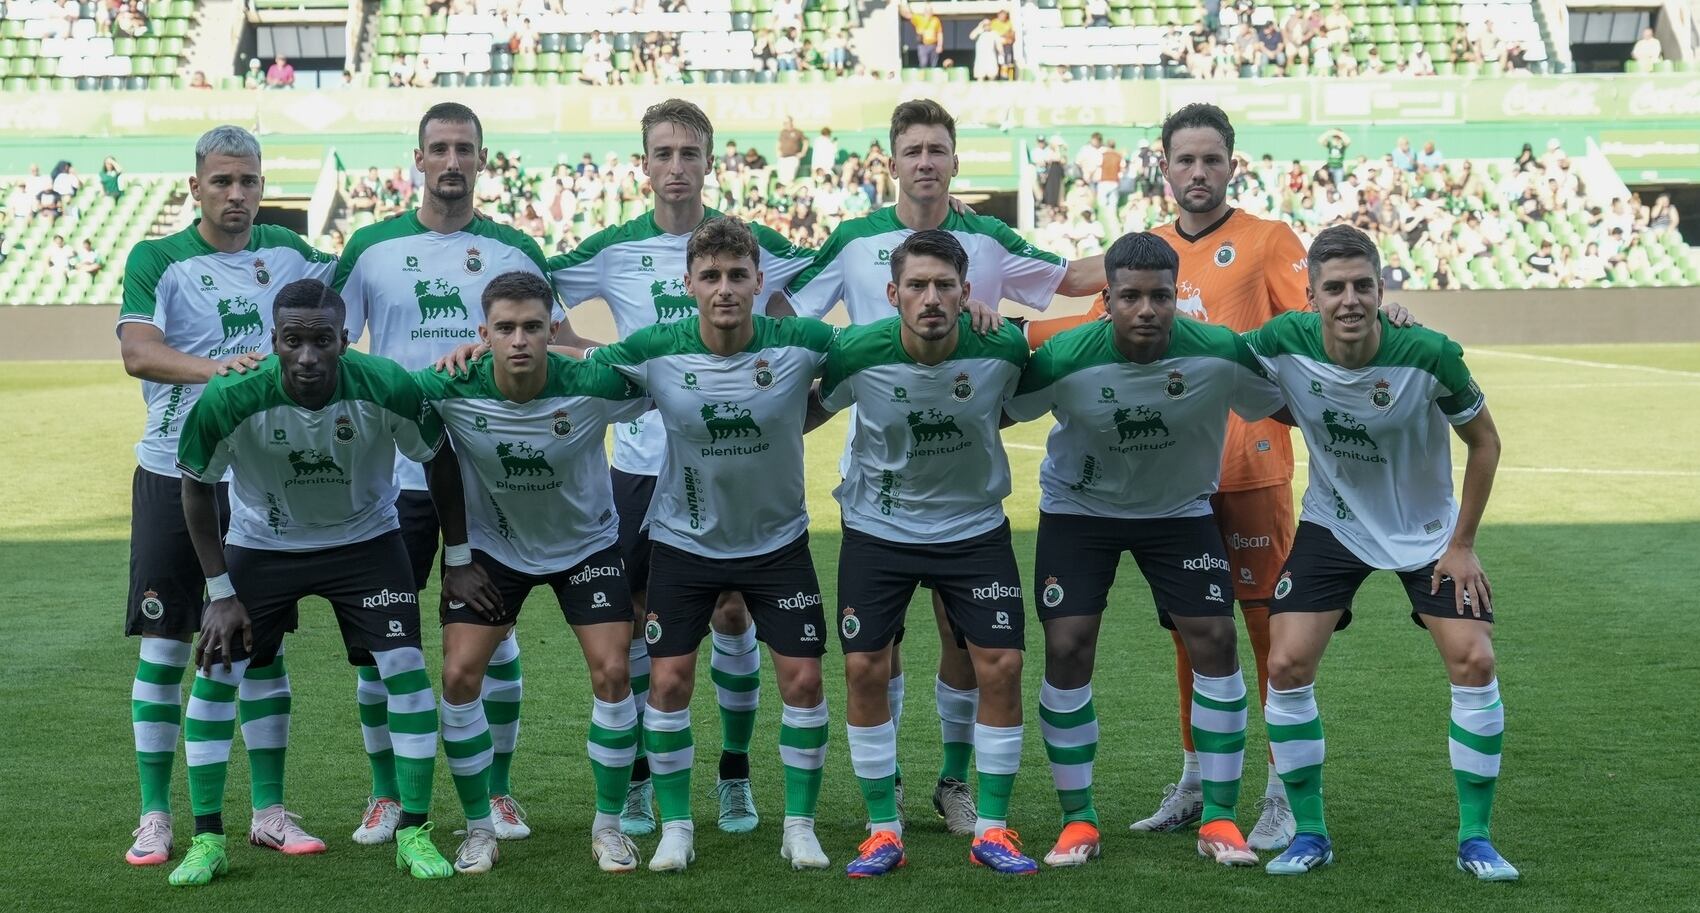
(1176, 385)
(344, 433)
(963, 390)
(1224, 254)
(1052, 595)
(652, 628)
(152, 608)
(1382, 396)
(262, 275)
(1284, 585)
(562, 425)
(764, 377)
(850, 625)
(474, 261)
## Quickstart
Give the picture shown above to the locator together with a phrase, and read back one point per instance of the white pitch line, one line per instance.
(1567, 470)
(1014, 446)
(1577, 362)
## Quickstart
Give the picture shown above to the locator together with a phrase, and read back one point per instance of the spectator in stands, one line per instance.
(1590, 268)
(1055, 236)
(785, 50)
(837, 50)
(1110, 167)
(823, 152)
(531, 221)
(111, 178)
(1246, 47)
(1403, 158)
(59, 256)
(255, 78)
(88, 261)
(1172, 49)
(1647, 51)
(280, 75)
(1087, 234)
(526, 38)
(929, 33)
(423, 76)
(787, 14)
(103, 18)
(1296, 35)
(1463, 49)
(1373, 64)
(1441, 279)
(789, 149)
(1394, 275)
(335, 241)
(1339, 24)
(130, 21)
(1515, 57)
(1430, 158)
(1201, 50)
(1662, 216)
(1335, 141)
(1322, 54)
(987, 47)
(1418, 61)
(1273, 52)
(21, 204)
(598, 65)
(1098, 14)
(1541, 261)
(1088, 161)
(199, 81)
(1005, 28)
(1489, 49)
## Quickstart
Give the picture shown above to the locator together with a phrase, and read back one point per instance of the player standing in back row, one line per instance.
(1374, 402)
(638, 268)
(197, 304)
(414, 281)
(855, 267)
(1237, 270)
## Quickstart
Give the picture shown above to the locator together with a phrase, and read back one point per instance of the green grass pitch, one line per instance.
(1591, 540)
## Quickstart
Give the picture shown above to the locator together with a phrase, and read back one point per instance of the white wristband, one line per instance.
(457, 555)
(219, 588)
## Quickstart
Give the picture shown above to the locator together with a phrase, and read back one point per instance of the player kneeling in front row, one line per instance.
(1142, 403)
(1374, 402)
(922, 500)
(310, 437)
(524, 498)
(732, 392)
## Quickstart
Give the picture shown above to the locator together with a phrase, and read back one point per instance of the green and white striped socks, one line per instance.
(802, 749)
(1295, 738)
(1477, 731)
(466, 744)
(735, 665)
(504, 687)
(997, 758)
(873, 758)
(413, 726)
(1218, 738)
(637, 659)
(957, 711)
(672, 750)
(263, 701)
(375, 730)
(612, 745)
(156, 717)
(208, 729)
(1069, 725)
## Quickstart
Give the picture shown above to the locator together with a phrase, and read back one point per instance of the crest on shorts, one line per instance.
(1224, 254)
(1382, 396)
(850, 625)
(1176, 385)
(152, 608)
(764, 376)
(344, 433)
(962, 389)
(261, 274)
(562, 425)
(1284, 585)
(1052, 595)
(474, 261)
(651, 629)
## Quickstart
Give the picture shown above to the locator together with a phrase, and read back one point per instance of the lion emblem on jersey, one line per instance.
(729, 420)
(1139, 422)
(934, 426)
(1189, 300)
(522, 459)
(671, 300)
(438, 299)
(239, 316)
(312, 463)
(1344, 429)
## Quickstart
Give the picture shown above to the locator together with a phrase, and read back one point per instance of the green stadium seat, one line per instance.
(388, 45)
(389, 8)
(410, 44)
(23, 67)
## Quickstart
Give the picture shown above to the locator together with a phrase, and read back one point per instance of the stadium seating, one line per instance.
(114, 226)
(39, 50)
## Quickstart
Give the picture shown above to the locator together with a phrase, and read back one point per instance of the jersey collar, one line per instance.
(1194, 239)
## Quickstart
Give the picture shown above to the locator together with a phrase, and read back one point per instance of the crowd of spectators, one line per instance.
(114, 18)
(52, 196)
(1410, 198)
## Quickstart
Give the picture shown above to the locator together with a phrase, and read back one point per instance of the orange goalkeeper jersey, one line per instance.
(1238, 273)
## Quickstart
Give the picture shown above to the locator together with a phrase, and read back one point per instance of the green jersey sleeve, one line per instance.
(144, 270)
(1255, 395)
(1461, 400)
(626, 400)
(630, 356)
(577, 274)
(1034, 393)
(415, 425)
(203, 448)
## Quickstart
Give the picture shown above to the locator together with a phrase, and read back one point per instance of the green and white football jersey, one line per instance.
(927, 464)
(306, 479)
(640, 271)
(535, 473)
(731, 485)
(1137, 441)
(210, 304)
(1380, 454)
(855, 266)
(419, 293)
